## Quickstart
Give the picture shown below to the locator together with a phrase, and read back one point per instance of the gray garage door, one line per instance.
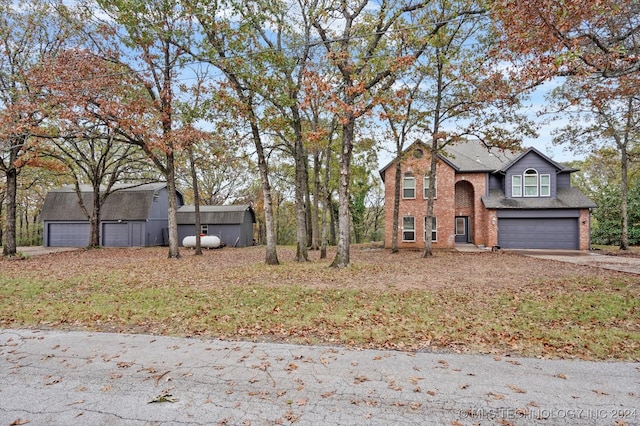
(115, 234)
(68, 235)
(540, 233)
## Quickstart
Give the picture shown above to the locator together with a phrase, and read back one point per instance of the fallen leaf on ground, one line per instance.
(163, 397)
(516, 389)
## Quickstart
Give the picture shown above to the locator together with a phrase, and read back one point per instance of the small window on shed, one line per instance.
(204, 229)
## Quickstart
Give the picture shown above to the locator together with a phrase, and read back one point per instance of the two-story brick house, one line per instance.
(490, 198)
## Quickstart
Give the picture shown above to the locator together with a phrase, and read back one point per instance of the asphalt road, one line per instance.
(64, 378)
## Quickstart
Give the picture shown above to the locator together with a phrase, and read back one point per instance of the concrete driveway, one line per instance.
(615, 263)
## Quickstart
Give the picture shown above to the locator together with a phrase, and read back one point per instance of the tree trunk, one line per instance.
(344, 224)
(428, 245)
(196, 202)
(624, 199)
(2, 198)
(271, 254)
(300, 185)
(315, 214)
(174, 249)
(9, 248)
(94, 217)
(396, 205)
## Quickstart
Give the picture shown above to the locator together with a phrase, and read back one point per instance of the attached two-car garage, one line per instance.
(546, 229)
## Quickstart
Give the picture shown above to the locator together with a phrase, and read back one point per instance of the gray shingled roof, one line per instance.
(473, 156)
(470, 156)
(218, 215)
(128, 203)
(566, 198)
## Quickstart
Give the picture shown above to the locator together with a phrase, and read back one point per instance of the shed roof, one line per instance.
(216, 215)
(128, 202)
(566, 198)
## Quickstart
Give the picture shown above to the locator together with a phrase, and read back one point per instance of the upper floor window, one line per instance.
(408, 187)
(426, 187)
(516, 186)
(545, 185)
(530, 183)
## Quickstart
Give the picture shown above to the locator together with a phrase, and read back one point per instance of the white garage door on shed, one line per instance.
(539, 233)
(68, 234)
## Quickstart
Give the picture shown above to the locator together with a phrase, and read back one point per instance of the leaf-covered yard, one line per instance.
(502, 303)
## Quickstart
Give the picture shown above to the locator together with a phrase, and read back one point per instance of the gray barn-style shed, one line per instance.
(232, 224)
(132, 216)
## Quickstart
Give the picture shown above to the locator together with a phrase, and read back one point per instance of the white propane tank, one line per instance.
(206, 241)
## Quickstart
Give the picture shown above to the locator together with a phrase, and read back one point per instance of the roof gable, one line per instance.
(532, 151)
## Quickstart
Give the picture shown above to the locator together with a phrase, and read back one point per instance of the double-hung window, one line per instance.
(516, 186)
(409, 187)
(426, 187)
(545, 185)
(408, 228)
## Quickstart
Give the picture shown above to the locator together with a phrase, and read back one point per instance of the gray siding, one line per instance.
(542, 213)
(531, 161)
(160, 205)
(564, 180)
(228, 233)
(496, 182)
(157, 232)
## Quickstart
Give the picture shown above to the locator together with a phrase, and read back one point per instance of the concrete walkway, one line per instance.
(588, 258)
(63, 378)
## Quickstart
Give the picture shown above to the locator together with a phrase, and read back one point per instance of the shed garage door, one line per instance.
(68, 234)
(115, 234)
(538, 233)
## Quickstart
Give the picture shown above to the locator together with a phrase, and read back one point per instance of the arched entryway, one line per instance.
(465, 214)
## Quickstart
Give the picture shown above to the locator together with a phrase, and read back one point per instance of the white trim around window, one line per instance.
(409, 187)
(530, 177)
(545, 185)
(516, 186)
(425, 192)
(408, 228)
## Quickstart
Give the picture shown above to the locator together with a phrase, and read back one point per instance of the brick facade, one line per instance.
(462, 182)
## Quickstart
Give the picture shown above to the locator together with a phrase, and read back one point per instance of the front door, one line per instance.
(462, 229)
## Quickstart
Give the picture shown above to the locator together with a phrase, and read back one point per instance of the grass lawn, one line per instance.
(502, 303)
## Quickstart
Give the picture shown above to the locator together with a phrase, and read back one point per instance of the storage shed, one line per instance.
(232, 224)
(132, 216)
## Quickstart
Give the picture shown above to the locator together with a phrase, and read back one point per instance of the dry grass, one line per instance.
(480, 302)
